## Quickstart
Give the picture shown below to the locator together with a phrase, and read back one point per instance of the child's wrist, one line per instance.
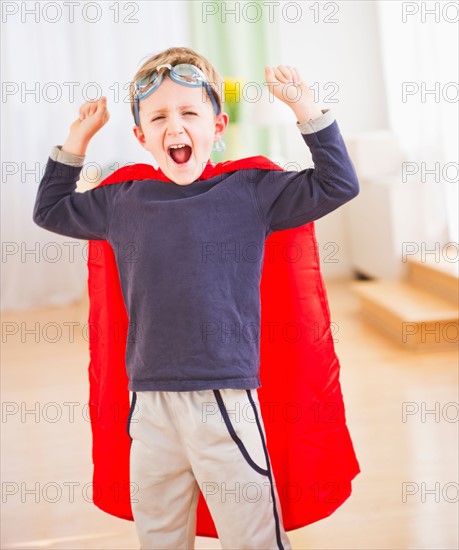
(304, 113)
(74, 145)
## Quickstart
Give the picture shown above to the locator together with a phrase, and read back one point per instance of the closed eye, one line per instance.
(160, 117)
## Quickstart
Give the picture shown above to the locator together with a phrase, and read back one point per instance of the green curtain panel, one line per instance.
(238, 39)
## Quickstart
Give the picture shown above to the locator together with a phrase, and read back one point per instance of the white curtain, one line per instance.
(42, 50)
(419, 44)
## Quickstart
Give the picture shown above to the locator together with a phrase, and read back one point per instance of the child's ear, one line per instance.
(139, 135)
(221, 122)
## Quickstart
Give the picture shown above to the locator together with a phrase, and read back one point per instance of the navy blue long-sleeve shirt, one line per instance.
(190, 257)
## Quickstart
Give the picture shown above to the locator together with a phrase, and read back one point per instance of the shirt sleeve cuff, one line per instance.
(65, 157)
(314, 125)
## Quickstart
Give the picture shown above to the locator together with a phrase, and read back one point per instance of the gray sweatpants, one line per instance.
(212, 440)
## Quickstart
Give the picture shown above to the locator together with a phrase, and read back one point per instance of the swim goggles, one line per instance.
(182, 73)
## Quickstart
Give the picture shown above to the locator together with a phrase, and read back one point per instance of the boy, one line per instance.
(191, 350)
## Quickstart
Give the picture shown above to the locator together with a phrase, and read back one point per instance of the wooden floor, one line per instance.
(405, 498)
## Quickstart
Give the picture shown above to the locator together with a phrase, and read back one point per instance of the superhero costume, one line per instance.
(311, 451)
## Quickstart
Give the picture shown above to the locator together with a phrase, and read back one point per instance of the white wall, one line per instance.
(346, 53)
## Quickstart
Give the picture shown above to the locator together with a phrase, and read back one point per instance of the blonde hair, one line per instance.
(175, 56)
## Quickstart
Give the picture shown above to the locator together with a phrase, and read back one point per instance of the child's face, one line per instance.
(175, 114)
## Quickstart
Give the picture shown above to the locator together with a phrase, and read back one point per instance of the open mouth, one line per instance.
(180, 153)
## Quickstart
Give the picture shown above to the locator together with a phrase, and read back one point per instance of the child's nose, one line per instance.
(174, 126)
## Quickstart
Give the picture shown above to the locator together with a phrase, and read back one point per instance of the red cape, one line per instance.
(312, 455)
